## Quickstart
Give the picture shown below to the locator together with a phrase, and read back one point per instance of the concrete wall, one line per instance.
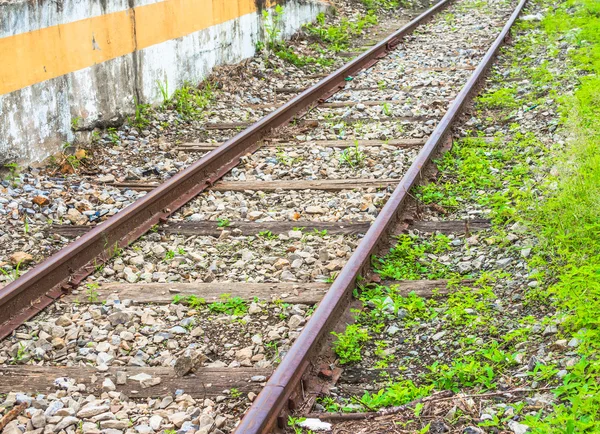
(84, 58)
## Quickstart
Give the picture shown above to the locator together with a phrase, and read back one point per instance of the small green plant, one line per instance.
(230, 306)
(223, 222)
(408, 260)
(462, 373)
(75, 122)
(274, 347)
(113, 136)
(348, 345)
(352, 156)
(331, 278)
(267, 235)
(386, 5)
(503, 98)
(13, 274)
(272, 24)
(195, 302)
(396, 394)
(91, 292)
(13, 173)
(21, 353)
(386, 110)
(235, 393)
(189, 101)
(294, 422)
(117, 251)
(163, 88)
(25, 225)
(142, 115)
(169, 254)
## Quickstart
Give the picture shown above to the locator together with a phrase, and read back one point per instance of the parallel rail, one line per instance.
(262, 415)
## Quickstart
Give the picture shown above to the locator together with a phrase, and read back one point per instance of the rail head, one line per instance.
(262, 415)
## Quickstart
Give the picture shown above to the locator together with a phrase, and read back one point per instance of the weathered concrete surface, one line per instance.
(36, 120)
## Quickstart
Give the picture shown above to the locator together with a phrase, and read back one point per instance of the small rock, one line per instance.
(550, 330)
(206, 420)
(106, 178)
(438, 336)
(92, 410)
(119, 318)
(178, 418)
(38, 420)
(121, 377)
(155, 422)
(41, 200)
(12, 428)
(517, 428)
(66, 422)
(21, 258)
(107, 384)
(295, 321)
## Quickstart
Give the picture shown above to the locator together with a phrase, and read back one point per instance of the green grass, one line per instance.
(408, 260)
(336, 37)
(349, 344)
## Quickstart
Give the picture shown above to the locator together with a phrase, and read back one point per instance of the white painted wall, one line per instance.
(36, 121)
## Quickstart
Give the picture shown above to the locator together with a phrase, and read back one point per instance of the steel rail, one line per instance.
(262, 415)
(49, 280)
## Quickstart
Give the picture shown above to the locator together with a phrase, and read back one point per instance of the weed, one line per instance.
(163, 88)
(385, 108)
(352, 156)
(142, 115)
(294, 422)
(235, 393)
(337, 37)
(21, 353)
(386, 5)
(408, 259)
(13, 173)
(331, 278)
(169, 254)
(13, 274)
(113, 136)
(274, 347)
(348, 345)
(503, 98)
(230, 306)
(462, 373)
(223, 222)
(75, 122)
(267, 235)
(91, 292)
(189, 101)
(272, 24)
(398, 393)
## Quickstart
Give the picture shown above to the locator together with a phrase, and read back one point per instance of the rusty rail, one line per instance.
(262, 415)
(39, 287)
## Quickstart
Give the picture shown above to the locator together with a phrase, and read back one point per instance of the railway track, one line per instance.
(198, 299)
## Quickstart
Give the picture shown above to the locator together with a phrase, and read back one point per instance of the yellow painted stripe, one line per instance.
(40, 55)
